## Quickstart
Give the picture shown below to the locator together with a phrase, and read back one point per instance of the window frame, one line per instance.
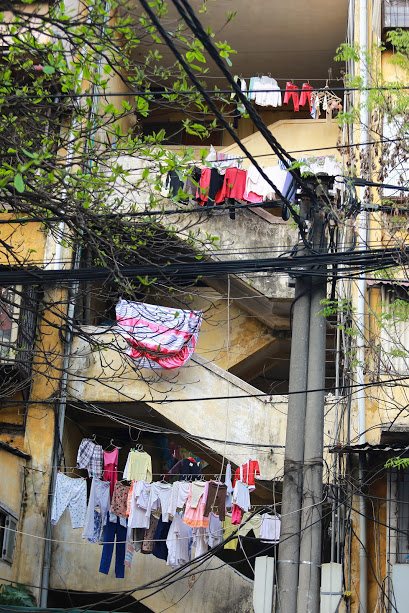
(7, 346)
(9, 534)
(395, 332)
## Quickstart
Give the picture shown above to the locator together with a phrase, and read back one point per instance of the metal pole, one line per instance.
(363, 232)
(308, 600)
(288, 551)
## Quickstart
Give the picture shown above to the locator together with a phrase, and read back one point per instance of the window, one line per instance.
(397, 163)
(8, 527)
(394, 334)
(395, 14)
(9, 314)
(399, 514)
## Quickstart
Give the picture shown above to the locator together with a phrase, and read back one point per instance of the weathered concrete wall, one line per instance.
(106, 376)
(75, 566)
(228, 334)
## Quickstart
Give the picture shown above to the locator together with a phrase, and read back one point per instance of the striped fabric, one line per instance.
(158, 337)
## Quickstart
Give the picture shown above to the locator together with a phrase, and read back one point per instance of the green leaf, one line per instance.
(19, 183)
(48, 69)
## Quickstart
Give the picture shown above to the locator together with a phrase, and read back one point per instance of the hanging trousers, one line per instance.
(114, 530)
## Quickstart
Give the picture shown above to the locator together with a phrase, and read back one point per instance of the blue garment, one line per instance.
(114, 530)
(160, 549)
(97, 528)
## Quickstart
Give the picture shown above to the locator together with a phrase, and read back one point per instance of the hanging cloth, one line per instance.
(111, 468)
(306, 95)
(158, 337)
(292, 92)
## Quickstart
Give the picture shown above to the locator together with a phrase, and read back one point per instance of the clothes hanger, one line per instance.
(111, 444)
(94, 438)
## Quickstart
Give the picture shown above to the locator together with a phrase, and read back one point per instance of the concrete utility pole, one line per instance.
(288, 552)
(310, 548)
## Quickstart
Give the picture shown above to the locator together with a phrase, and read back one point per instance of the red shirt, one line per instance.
(234, 184)
(248, 474)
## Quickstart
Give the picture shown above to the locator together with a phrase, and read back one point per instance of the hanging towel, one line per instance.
(158, 337)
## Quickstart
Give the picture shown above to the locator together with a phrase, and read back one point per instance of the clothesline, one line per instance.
(82, 542)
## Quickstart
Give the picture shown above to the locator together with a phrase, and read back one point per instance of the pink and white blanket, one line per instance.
(158, 337)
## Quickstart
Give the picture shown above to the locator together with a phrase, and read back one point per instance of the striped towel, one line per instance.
(158, 337)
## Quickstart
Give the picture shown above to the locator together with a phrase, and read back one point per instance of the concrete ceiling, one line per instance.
(294, 39)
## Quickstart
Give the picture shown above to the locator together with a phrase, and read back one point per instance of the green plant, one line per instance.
(17, 595)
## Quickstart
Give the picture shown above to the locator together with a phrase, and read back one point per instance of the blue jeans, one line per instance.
(113, 530)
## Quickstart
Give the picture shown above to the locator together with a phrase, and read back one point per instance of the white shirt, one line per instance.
(178, 542)
(178, 497)
(139, 504)
(159, 496)
(270, 527)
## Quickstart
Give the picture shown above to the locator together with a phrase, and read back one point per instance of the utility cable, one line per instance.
(217, 113)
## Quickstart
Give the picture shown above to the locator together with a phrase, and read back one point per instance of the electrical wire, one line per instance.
(151, 94)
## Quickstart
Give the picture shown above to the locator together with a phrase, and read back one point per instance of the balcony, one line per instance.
(253, 228)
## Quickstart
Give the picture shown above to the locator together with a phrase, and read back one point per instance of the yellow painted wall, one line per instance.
(32, 245)
(306, 137)
(11, 496)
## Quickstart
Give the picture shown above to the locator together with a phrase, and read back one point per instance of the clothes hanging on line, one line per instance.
(198, 490)
(254, 523)
(111, 467)
(192, 181)
(264, 91)
(229, 486)
(247, 473)
(160, 549)
(200, 541)
(292, 93)
(119, 499)
(306, 93)
(99, 496)
(241, 495)
(214, 530)
(158, 337)
(148, 542)
(228, 530)
(178, 497)
(209, 191)
(177, 542)
(114, 533)
(236, 515)
(222, 161)
(138, 466)
(159, 497)
(90, 456)
(175, 184)
(139, 500)
(188, 469)
(71, 493)
(234, 184)
(194, 517)
(216, 495)
(270, 528)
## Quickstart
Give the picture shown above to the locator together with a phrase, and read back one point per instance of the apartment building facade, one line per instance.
(229, 402)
